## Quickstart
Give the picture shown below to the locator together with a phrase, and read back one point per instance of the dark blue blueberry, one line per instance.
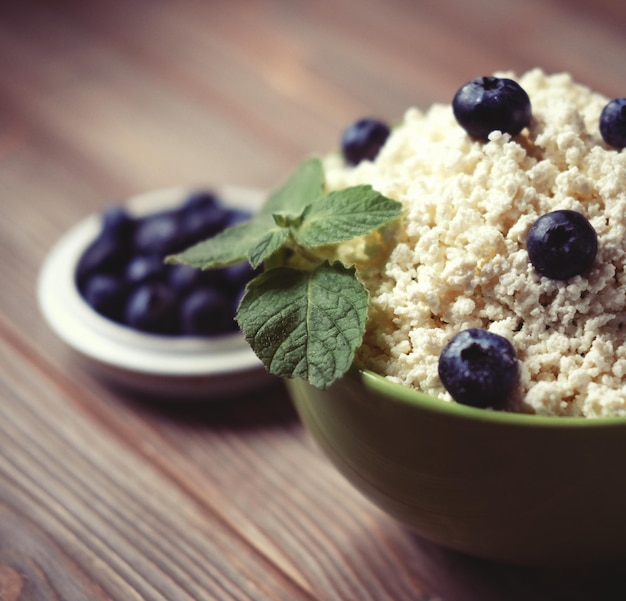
(152, 308)
(562, 244)
(104, 255)
(181, 278)
(144, 268)
(106, 294)
(236, 216)
(236, 276)
(613, 123)
(201, 220)
(488, 104)
(118, 222)
(363, 140)
(479, 368)
(203, 200)
(158, 234)
(206, 311)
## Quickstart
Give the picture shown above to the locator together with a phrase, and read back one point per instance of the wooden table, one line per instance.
(104, 495)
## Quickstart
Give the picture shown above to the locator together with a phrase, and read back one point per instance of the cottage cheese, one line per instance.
(459, 258)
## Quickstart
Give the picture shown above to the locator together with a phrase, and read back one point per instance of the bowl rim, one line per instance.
(404, 395)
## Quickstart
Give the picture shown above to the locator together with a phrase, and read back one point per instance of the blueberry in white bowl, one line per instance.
(106, 289)
(123, 273)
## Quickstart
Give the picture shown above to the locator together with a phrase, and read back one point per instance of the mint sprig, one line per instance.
(304, 316)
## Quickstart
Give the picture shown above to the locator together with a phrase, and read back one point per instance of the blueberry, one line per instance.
(151, 307)
(236, 216)
(183, 277)
(363, 140)
(106, 294)
(236, 276)
(613, 123)
(144, 268)
(202, 215)
(478, 368)
(198, 225)
(104, 255)
(158, 234)
(562, 244)
(203, 200)
(117, 222)
(206, 311)
(487, 104)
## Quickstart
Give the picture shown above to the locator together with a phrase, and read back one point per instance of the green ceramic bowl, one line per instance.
(514, 488)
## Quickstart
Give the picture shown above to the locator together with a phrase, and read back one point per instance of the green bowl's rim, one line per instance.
(402, 394)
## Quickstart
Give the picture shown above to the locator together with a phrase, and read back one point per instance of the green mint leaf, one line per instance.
(228, 247)
(305, 324)
(267, 245)
(345, 214)
(304, 186)
(258, 238)
(302, 323)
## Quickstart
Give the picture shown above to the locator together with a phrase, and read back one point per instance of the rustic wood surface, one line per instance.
(105, 496)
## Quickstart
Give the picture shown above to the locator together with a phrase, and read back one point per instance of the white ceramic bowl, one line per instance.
(173, 367)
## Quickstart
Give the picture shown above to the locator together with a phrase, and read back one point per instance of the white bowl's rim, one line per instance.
(102, 340)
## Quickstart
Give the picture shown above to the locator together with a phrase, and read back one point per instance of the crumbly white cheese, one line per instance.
(459, 259)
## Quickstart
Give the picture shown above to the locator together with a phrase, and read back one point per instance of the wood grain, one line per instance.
(106, 495)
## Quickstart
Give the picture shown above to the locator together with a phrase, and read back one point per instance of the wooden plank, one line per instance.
(76, 501)
(240, 462)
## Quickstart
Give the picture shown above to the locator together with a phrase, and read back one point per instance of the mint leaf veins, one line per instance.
(304, 316)
(305, 324)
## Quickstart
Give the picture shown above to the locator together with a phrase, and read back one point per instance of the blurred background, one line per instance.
(102, 99)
